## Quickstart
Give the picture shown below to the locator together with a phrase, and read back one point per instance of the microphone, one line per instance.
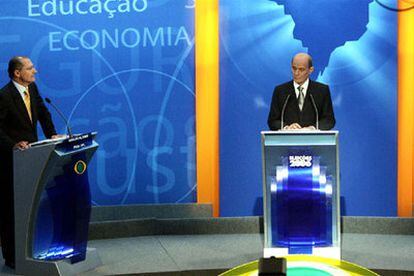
(61, 115)
(283, 112)
(316, 111)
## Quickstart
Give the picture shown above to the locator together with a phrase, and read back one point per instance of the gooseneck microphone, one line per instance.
(316, 111)
(61, 115)
(283, 112)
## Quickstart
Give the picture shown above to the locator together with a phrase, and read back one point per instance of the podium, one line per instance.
(301, 193)
(52, 204)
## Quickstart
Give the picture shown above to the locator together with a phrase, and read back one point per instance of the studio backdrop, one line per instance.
(124, 69)
(354, 45)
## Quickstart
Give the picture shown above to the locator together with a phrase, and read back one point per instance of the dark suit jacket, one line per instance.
(307, 116)
(15, 124)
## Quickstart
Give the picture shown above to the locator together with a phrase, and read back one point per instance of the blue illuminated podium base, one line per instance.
(61, 267)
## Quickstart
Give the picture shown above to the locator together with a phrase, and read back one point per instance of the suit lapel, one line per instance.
(307, 101)
(292, 93)
(20, 106)
(295, 102)
(33, 103)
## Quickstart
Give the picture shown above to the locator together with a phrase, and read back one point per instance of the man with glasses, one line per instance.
(301, 103)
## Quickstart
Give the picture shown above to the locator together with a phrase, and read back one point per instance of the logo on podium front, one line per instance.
(300, 161)
(80, 167)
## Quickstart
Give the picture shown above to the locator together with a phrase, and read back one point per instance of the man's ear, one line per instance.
(311, 69)
(16, 73)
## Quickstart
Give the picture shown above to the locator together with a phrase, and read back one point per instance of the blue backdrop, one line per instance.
(122, 68)
(353, 43)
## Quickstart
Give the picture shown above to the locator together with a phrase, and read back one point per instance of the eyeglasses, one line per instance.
(300, 69)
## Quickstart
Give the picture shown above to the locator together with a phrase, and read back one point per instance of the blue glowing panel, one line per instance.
(62, 220)
(126, 70)
(353, 43)
(301, 204)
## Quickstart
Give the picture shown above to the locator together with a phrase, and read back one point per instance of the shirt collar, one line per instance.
(304, 85)
(20, 88)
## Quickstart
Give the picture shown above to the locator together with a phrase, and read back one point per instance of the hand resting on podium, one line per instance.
(296, 126)
(22, 145)
(59, 136)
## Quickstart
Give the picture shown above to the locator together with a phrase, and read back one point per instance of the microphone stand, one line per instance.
(62, 116)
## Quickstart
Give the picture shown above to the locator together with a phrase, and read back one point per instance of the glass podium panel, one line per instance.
(53, 206)
(301, 192)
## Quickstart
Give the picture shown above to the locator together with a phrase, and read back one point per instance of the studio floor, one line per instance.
(175, 253)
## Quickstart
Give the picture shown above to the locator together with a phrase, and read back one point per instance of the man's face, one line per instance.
(301, 69)
(26, 75)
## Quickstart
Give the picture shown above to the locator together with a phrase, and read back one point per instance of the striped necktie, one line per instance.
(301, 98)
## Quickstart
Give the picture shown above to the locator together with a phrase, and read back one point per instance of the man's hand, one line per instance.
(310, 128)
(293, 126)
(22, 145)
(57, 136)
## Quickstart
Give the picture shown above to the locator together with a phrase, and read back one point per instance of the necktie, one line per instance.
(27, 102)
(301, 98)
